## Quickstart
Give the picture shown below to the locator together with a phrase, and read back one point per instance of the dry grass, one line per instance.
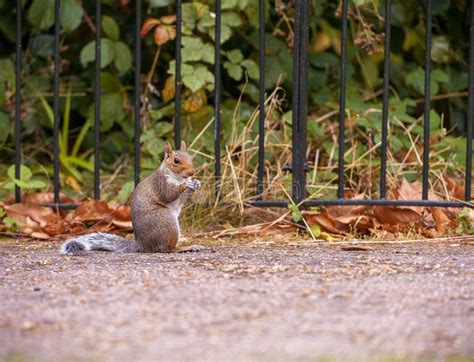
(361, 169)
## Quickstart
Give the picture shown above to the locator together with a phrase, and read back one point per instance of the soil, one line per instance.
(240, 301)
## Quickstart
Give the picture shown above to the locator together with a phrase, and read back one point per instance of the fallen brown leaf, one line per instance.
(43, 222)
(324, 221)
(40, 214)
(46, 198)
(441, 219)
(93, 210)
(455, 190)
(361, 222)
(397, 215)
(339, 210)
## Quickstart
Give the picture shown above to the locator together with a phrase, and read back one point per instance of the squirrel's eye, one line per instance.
(176, 161)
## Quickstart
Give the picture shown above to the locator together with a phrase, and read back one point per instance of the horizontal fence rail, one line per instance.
(299, 106)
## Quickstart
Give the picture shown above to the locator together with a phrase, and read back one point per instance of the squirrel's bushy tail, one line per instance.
(95, 242)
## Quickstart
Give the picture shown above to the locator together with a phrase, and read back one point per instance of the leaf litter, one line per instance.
(32, 218)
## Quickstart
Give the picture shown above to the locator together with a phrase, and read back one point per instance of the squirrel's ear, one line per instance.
(167, 150)
(183, 146)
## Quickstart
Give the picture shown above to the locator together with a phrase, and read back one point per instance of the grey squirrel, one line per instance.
(156, 205)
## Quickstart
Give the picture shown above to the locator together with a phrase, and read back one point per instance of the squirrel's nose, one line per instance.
(191, 172)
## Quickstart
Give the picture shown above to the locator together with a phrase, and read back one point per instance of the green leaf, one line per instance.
(252, 68)
(226, 33)
(25, 173)
(111, 28)
(9, 186)
(111, 110)
(435, 121)
(7, 71)
(316, 230)
(273, 71)
(252, 11)
(107, 53)
(191, 51)
(159, 3)
(185, 68)
(235, 71)
(195, 50)
(231, 19)
(109, 82)
(71, 14)
(153, 144)
(33, 184)
(229, 4)
(440, 6)
(163, 129)
(295, 212)
(206, 20)
(198, 79)
(208, 53)
(457, 82)
(41, 14)
(42, 45)
(440, 76)
(323, 60)
(10, 220)
(235, 56)
(123, 57)
(416, 79)
(159, 113)
(189, 13)
(251, 90)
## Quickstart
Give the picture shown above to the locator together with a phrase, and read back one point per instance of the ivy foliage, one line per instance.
(240, 71)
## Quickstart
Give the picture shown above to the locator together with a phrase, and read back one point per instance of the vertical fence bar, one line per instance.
(300, 83)
(427, 105)
(18, 99)
(98, 34)
(342, 101)
(138, 50)
(470, 110)
(57, 28)
(261, 125)
(217, 98)
(386, 82)
(177, 76)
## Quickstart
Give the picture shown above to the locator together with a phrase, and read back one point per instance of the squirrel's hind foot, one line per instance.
(73, 248)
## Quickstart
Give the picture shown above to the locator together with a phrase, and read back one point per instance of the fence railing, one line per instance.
(299, 106)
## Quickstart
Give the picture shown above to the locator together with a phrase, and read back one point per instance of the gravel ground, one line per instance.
(239, 301)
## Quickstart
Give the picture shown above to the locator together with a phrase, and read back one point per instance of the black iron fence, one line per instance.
(299, 106)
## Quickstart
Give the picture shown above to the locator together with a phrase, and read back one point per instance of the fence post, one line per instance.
(217, 99)
(57, 30)
(138, 56)
(470, 110)
(18, 51)
(300, 83)
(98, 34)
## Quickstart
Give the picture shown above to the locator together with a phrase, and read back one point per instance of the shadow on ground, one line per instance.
(241, 302)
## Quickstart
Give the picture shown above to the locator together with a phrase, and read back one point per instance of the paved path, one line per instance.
(242, 302)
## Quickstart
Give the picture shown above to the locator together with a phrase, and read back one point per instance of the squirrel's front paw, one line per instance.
(193, 185)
